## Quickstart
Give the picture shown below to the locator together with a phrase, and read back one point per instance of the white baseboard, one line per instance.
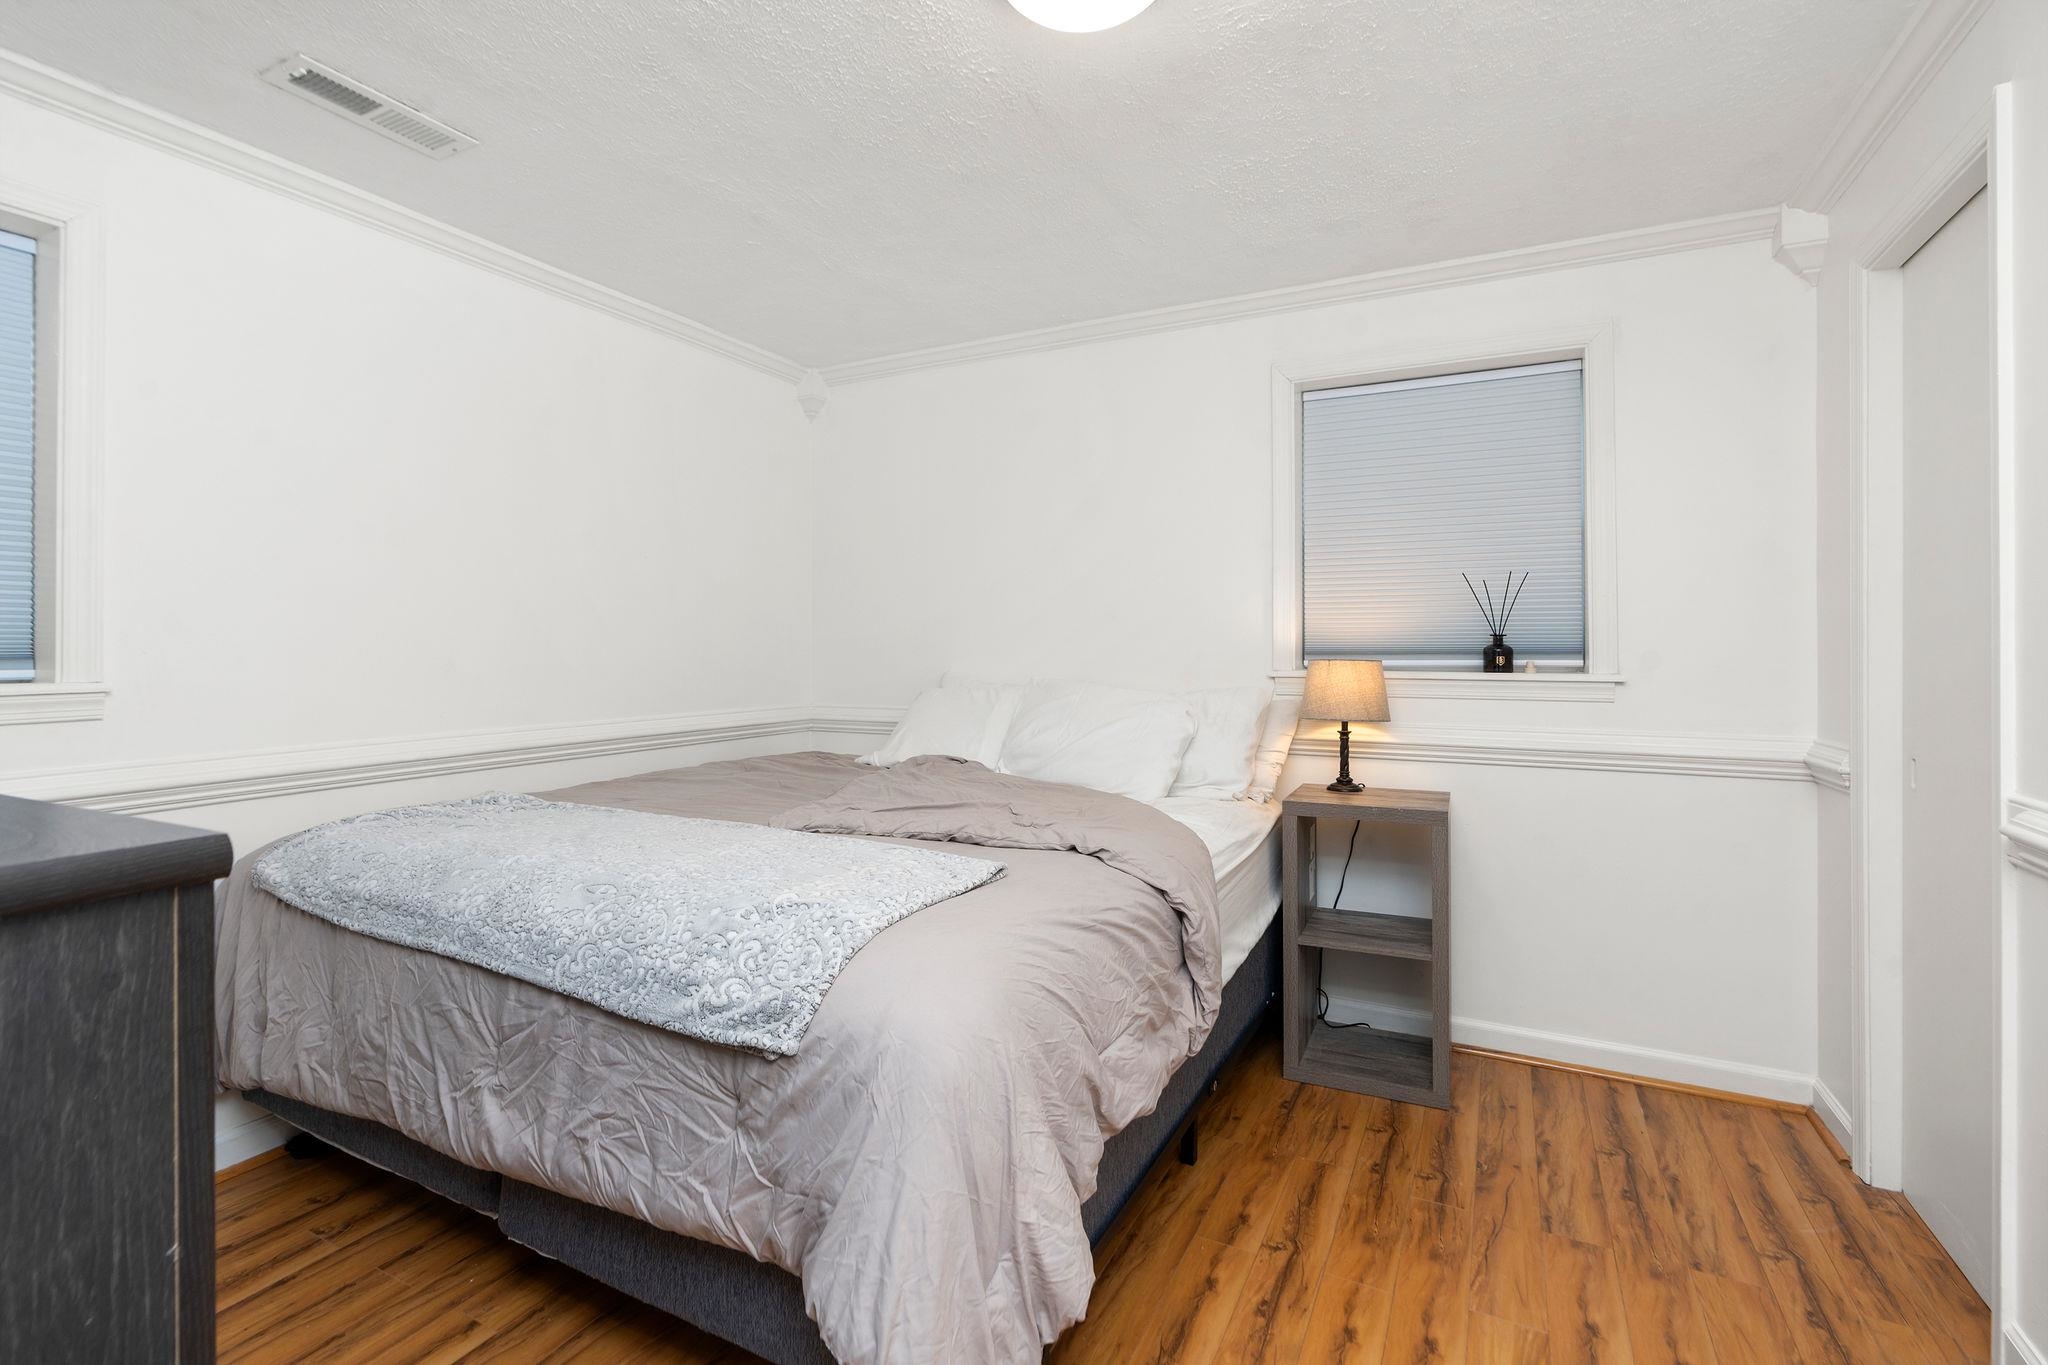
(2020, 1348)
(1833, 1113)
(1680, 1068)
(236, 1143)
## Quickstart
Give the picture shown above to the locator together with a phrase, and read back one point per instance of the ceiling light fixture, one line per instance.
(1080, 16)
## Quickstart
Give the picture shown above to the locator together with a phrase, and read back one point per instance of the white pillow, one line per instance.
(959, 719)
(1281, 718)
(1113, 740)
(1228, 721)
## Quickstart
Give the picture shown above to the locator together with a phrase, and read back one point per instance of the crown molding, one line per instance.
(1614, 246)
(49, 88)
(1930, 38)
(227, 778)
(1829, 764)
(2026, 834)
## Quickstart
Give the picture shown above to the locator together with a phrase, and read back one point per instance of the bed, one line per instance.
(982, 1090)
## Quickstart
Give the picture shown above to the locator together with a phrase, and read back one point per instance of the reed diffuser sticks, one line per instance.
(1499, 656)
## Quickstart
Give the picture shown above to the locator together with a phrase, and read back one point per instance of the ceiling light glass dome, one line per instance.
(1080, 16)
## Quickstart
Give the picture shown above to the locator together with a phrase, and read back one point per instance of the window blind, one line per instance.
(1409, 484)
(17, 458)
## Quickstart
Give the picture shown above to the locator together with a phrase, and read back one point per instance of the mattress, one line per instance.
(1243, 840)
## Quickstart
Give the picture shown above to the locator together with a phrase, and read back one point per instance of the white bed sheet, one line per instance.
(1243, 840)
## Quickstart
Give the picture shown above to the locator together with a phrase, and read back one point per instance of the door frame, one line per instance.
(1978, 159)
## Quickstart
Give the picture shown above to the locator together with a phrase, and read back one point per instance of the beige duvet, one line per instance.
(920, 1163)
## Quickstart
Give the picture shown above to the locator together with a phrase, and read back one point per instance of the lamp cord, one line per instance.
(1323, 996)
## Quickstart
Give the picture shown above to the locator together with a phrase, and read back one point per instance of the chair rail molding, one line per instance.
(1829, 764)
(1768, 758)
(1757, 757)
(2026, 834)
(222, 779)
(226, 778)
(50, 88)
(856, 720)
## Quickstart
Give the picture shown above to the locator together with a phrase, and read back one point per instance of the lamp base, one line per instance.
(1344, 783)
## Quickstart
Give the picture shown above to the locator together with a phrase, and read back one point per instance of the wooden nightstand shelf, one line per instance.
(1399, 1066)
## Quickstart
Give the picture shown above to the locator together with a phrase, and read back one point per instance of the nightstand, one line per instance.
(1399, 1066)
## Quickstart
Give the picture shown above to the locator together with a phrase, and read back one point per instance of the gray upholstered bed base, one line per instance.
(728, 1293)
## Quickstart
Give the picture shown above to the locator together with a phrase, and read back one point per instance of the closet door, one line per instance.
(1951, 855)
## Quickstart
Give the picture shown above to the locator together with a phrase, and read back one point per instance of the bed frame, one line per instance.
(728, 1293)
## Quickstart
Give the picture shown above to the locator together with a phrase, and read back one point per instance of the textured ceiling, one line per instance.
(842, 179)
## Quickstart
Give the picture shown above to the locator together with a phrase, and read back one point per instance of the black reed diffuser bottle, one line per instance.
(1498, 657)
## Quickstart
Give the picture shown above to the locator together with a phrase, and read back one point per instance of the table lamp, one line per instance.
(1344, 690)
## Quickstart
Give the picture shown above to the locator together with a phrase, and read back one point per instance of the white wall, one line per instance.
(359, 491)
(2009, 43)
(1104, 511)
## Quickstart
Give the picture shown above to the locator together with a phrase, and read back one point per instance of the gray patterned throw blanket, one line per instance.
(727, 932)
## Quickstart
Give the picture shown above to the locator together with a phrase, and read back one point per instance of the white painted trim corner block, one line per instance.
(1800, 242)
(1829, 764)
(2026, 834)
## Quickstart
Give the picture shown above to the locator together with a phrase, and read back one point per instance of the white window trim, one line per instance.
(72, 685)
(1590, 342)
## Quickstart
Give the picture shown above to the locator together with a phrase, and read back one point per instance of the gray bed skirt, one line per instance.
(728, 1293)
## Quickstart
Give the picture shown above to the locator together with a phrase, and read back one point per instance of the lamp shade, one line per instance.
(1344, 689)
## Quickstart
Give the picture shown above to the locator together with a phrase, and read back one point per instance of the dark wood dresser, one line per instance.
(106, 1086)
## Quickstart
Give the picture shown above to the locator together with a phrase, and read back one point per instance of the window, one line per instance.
(17, 458)
(50, 583)
(1407, 485)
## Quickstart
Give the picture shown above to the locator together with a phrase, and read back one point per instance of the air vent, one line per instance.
(357, 102)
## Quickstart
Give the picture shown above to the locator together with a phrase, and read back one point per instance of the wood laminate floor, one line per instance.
(1549, 1218)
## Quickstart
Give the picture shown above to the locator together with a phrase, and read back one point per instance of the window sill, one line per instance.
(44, 703)
(1485, 686)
